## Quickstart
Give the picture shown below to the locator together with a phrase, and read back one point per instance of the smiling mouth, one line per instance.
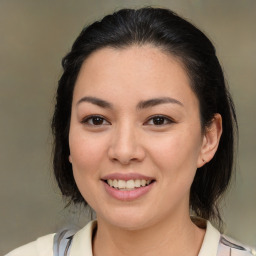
(129, 184)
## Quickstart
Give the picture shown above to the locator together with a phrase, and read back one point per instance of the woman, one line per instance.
(144, 132)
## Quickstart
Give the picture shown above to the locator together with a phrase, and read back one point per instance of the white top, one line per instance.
(214, 244)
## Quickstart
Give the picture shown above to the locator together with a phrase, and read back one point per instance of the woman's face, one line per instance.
(135, 136)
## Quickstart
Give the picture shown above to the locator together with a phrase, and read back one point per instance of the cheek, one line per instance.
(176, 153)
(87, 156)
(86, 153)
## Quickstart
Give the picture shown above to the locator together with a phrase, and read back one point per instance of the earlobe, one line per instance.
(211, 140)
(70, 159)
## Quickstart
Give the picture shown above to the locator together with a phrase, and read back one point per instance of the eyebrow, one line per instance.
(157, 101)
(141, 105)
(96, 101)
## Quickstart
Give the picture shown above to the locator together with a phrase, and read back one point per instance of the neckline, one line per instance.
(82, 240)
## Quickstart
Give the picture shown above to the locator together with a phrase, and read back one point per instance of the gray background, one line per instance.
(34, 36)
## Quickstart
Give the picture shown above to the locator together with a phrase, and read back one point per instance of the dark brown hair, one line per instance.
(166, 30)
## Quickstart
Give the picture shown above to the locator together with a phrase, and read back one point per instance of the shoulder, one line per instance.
(40, 247)
(217, 244)
(56, 244)
(229, 246)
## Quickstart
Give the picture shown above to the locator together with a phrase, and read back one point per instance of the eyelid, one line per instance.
(166, 118)
(85, 120)
(169, 120)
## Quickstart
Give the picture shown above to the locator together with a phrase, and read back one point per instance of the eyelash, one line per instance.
(167, 120)
(86, 120)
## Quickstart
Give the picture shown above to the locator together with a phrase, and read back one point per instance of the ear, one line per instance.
(211, 140)
(70, 159)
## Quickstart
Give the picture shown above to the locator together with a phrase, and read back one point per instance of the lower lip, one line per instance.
(127, 195)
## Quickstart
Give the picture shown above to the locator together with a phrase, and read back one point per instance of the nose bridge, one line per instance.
(125, 144)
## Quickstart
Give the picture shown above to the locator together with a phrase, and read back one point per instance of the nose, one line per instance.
(125, 146)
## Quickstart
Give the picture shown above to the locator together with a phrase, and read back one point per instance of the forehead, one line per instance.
(135, 71)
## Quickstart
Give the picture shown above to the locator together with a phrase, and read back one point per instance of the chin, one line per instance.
(127, 220)
(130, 225)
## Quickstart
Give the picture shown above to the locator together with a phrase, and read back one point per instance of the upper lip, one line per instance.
(126, 176)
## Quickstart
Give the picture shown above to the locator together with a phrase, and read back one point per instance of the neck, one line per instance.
(179, 237)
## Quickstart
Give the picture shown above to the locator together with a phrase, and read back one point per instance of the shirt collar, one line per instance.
(82, 240)
(211, 241)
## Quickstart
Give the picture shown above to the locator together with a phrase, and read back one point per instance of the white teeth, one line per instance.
(137, 183)
(115, 183)
(143, 183)
(128, 185)
(121, 184)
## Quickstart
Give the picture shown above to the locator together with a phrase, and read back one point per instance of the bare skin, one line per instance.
(131, 136)
(176, 239)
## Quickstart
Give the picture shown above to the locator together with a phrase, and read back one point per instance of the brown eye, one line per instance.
(95, 121)
(159, 120)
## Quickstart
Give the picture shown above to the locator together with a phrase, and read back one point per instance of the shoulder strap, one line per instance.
(62, 241)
